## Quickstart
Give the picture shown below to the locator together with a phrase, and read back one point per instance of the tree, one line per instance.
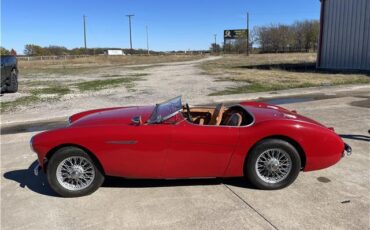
(13, 52)
(301, 36)
(33, 50)
(56, 50)
(215, 48)
(4, 51)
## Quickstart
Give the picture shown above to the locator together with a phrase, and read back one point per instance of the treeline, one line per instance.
(301, 36)
(4, 51)
(36, 50)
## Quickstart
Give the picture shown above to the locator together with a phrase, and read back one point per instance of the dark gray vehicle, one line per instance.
(9, 74)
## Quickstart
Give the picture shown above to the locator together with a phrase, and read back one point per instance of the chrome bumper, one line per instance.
(37, 169)
(347, 150)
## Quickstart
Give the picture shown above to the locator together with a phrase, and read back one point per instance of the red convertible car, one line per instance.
(267, 144)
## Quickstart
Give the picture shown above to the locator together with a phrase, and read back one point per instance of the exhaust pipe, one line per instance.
(347, 150)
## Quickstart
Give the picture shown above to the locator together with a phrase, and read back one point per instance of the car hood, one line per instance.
(111, 116)
(264, 112)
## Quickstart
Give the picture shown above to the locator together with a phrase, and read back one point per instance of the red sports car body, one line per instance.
(192, 144)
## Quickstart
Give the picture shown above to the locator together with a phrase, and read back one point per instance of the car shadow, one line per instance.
(355, 137)
(120, 182)
(303, 67)
(39, 184)
(26, 178)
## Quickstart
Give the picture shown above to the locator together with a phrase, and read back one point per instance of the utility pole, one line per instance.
(215, 46)
(147, 40)
(129, 24)
(247, 33)
(84, 19)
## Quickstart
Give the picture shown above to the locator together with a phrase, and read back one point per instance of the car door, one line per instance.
(199, 150)
(137, 151)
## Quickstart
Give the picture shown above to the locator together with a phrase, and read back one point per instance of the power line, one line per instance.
(129, 23)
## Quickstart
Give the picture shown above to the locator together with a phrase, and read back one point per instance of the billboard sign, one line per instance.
(235, 34)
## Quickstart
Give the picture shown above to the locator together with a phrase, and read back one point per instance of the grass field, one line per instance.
(50, 81)
(89, 64)
(270, 72)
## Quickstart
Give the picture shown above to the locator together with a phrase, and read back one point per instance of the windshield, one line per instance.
(166, 110)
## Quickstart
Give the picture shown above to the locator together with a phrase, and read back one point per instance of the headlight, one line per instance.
(31, 144)
(69, 120)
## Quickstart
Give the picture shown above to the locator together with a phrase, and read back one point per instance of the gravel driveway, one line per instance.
(157, 83)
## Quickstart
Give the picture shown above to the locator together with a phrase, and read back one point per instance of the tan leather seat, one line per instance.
(217, 115)
(234, 120)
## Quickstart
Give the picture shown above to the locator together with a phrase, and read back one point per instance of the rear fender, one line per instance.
(322, 147)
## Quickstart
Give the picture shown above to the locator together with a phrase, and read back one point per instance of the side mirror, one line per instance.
(137, 120)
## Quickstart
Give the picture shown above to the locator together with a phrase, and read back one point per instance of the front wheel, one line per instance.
(272, 164)
(71, 173)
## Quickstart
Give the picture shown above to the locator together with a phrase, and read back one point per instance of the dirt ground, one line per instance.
(145, 84)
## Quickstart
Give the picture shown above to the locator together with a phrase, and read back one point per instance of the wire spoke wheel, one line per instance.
(75, 173)
(273, 165)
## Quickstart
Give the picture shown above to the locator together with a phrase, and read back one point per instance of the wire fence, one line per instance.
(41, 58)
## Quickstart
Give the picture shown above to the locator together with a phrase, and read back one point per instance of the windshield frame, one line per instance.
(156, 118)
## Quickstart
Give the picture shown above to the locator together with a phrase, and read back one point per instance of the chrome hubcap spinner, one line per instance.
(75, 173)
(273, 165)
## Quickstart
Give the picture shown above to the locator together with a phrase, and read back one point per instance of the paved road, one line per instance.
(337, 197)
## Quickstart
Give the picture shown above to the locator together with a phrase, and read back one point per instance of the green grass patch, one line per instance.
(64, 70)
(35, 97)
(144, 67)
(257, 87)
(9, 105)
(60, 90)
(254, 87)
(121, 76)
(95, 85)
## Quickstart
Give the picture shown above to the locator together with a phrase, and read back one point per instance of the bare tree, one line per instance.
(301, 36)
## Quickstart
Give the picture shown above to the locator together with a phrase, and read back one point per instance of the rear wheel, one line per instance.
(272, 164)
(71, 173)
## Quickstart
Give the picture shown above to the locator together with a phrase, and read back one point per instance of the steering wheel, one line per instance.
(188, 113)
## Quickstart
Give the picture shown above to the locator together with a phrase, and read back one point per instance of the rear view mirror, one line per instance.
(137, 120)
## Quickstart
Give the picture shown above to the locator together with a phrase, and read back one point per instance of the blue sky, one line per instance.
(173, 25)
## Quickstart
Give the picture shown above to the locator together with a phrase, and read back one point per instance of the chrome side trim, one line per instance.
(129, 142)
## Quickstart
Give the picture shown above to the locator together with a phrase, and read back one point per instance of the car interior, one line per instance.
(218, 116)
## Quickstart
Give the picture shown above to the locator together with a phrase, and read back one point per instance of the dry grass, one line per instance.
(78, 65)
(266, 72)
